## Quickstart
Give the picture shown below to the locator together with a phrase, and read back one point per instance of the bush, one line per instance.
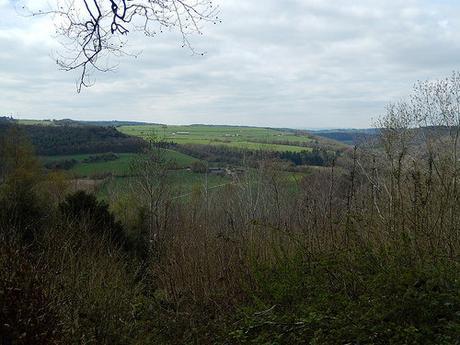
(106, 157)
(64, 164)
(344, 301)
(85, 207)
(26, 309)
(21, 212)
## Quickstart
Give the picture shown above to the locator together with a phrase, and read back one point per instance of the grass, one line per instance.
(240, 137)
(184, 182)
(118, 167)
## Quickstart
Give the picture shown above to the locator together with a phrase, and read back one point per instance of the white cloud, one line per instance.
(291, 63)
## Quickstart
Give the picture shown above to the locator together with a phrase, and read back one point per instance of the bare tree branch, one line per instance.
(93, 30)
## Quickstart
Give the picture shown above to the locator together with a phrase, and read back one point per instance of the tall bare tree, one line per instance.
(152, 187)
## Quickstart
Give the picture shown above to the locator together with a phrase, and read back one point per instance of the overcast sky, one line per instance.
(280, 63)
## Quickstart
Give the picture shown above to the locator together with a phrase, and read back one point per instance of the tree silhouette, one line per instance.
(95, 29)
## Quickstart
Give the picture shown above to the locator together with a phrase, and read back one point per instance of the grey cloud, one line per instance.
(293, 63)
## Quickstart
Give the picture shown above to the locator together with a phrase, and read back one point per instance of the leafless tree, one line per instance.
(152, 187)
(93, 30)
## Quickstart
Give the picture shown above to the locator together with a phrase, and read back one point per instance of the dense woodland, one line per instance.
(365, 251)
(318, 156)
(351, 136)
(63, 139)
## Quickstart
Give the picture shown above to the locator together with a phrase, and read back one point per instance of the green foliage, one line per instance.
(77, 139)
(84, 207)
(20, 174)
(315, 157)
(342, 302)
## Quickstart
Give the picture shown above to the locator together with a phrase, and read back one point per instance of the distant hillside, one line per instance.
(70, 122)
(240, 137)
(348, 136)
(66, 140)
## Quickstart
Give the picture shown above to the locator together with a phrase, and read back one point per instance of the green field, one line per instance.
(118, 167)
(251, 138)
(254, 138)
(182, 183)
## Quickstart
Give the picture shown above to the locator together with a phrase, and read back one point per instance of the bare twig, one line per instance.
(93, 30)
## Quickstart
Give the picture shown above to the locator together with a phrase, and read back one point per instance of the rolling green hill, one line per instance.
(252, 138)
(117, 167)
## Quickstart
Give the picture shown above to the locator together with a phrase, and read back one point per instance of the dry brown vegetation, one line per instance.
(364, 252)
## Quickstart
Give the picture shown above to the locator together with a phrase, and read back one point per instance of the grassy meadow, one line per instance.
(117, 167)
(183, 184)
(254, 138)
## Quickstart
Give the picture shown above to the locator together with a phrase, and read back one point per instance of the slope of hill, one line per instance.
(86, 165)
(70, 122)
(65, 140)
(347, 136)
(251, 138)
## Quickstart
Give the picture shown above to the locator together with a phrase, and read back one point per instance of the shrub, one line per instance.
(341, 301)
(26, 308)
(82, 206)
